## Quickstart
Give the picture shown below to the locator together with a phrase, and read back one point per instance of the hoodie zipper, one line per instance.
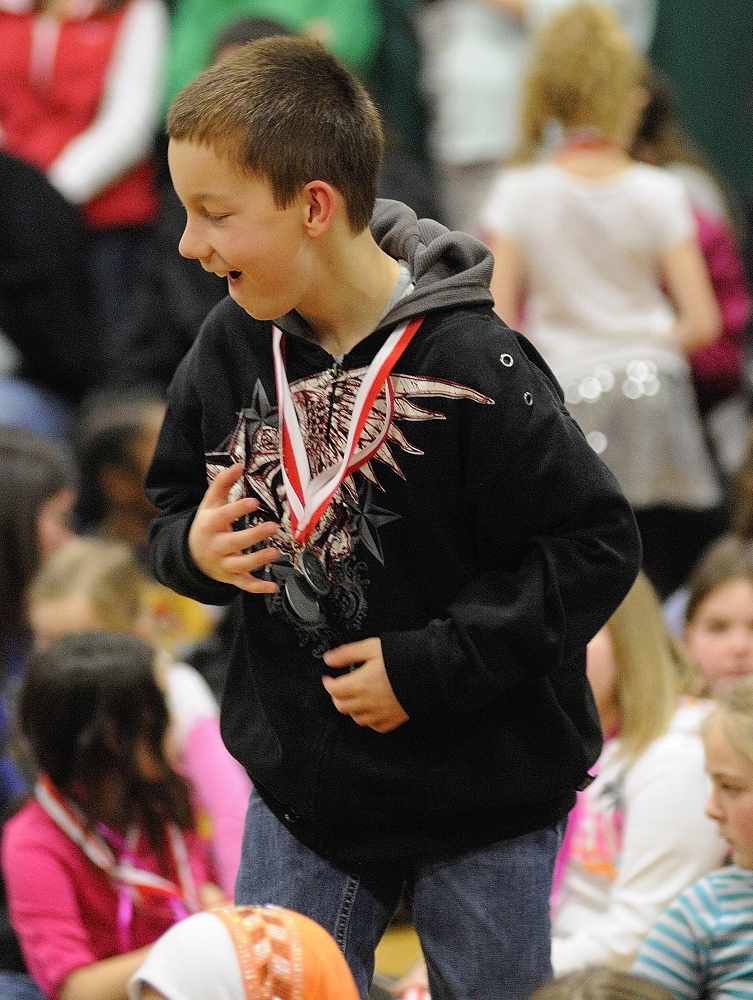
(336, 370)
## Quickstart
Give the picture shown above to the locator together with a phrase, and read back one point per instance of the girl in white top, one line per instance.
(638, 835)
(601, 253)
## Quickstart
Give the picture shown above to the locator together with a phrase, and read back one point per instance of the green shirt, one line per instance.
(351, 29)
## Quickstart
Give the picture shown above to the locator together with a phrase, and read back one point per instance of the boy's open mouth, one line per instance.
(235, 274)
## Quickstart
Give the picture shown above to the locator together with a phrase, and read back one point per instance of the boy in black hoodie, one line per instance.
(422, 540)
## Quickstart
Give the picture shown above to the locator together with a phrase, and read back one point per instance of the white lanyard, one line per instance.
(309, 495)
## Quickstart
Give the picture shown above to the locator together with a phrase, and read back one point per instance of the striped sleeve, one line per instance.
(672, 953)
(702, 946)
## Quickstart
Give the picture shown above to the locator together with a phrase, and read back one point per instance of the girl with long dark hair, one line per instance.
(106, 856)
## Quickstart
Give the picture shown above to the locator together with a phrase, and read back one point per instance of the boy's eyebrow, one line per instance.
(208, 196)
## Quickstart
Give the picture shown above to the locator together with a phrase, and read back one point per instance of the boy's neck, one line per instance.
(352, 291)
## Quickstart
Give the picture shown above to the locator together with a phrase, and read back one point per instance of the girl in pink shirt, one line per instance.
(106, 856)
(98, 584)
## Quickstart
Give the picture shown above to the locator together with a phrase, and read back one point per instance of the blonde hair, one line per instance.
(734, 712)
(582, 69)
(651, 668)
(106, 573)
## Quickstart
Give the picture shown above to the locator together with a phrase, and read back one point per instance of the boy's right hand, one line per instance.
(218, 550)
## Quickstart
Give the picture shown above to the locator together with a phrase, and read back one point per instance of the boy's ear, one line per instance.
(320, 201)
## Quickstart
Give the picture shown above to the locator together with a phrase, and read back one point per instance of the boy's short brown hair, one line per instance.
(285, 109)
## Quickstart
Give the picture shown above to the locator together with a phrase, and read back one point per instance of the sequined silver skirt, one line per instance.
(643, 421)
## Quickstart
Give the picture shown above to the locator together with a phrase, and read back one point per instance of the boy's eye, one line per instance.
(212, 217)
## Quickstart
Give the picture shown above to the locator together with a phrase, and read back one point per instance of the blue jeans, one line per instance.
(17, 986)
(482, 918)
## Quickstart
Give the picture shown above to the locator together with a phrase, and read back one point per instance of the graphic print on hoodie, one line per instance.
(324, 404)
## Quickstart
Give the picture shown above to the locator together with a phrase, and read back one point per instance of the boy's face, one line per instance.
(234, 229)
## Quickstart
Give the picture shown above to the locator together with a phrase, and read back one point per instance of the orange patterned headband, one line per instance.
(268, 945)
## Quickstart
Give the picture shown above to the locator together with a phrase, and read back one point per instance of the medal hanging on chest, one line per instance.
(309, 496)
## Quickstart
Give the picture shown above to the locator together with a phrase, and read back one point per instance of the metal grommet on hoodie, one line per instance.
(506, 360)
(528, 399)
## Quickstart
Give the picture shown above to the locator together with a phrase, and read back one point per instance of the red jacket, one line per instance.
(44, 106)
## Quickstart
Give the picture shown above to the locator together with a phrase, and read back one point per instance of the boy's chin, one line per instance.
(256, 310)
(259, 314)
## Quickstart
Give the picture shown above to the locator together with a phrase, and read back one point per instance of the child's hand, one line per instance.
(366, 694)
(218, 550)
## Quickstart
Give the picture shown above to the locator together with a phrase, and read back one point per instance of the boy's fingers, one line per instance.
(232, 542)
(235, 509)
(219, 488)
(251, 561)
(352, 652)
(253, 586)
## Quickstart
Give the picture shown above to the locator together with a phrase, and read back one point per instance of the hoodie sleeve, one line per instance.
(553, 535)
(177, 478)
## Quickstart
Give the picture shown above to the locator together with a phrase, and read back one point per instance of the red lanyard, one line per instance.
(309, 495)
(133, 882)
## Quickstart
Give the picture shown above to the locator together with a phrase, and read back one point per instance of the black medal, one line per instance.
(313, 571)
(301, 600)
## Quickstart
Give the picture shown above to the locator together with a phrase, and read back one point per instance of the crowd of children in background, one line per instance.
(617, 252)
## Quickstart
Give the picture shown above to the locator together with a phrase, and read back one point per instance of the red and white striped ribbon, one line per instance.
(309, 495)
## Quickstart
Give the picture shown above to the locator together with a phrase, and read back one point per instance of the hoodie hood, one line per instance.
(448, 268)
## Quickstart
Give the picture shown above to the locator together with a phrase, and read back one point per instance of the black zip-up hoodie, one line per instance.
(484, 544)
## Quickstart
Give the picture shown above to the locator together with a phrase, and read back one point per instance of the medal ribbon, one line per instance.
(133, 881)
(308, 495)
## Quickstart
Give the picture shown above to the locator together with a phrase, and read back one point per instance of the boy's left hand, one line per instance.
(365, 694)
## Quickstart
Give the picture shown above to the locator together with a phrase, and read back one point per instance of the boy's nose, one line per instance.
(189, 245)
(184, 246)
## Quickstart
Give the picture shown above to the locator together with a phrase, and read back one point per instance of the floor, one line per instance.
(395, 954)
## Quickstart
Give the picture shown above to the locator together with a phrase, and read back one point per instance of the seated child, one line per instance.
(36, 495)
(702, 946)
(106, 856)
(637, 836)
(114, 438)
(245, 953)
(97, 584)
(718, 631)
